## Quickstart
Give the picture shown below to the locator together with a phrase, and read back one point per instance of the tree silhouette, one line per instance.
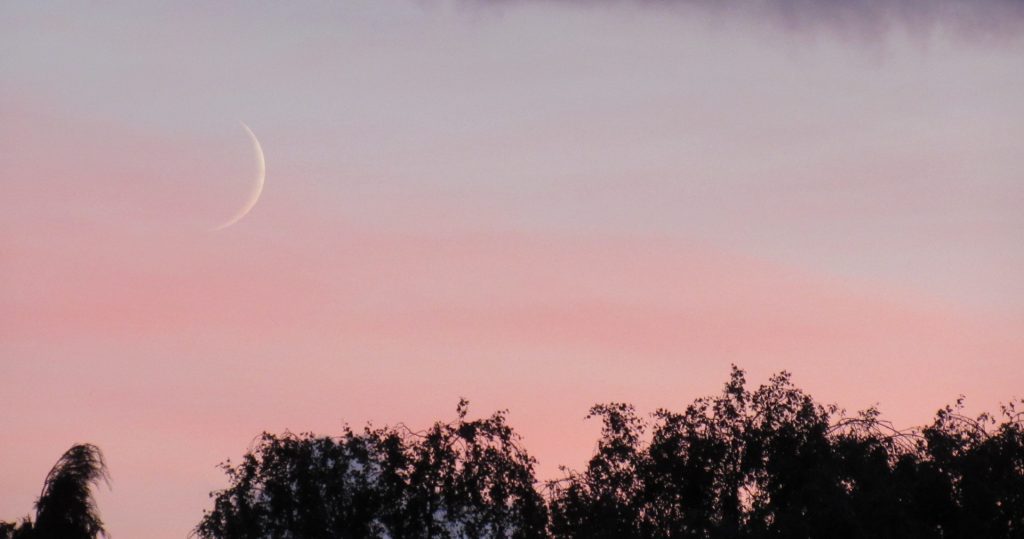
(65, 508)
(460, 479)
(773, 463)
(749, 463)
(769, 462)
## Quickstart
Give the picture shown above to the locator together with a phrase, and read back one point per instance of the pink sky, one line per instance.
(537, 206)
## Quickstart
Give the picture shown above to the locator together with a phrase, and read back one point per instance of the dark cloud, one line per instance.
(853, 18)
(870, 18)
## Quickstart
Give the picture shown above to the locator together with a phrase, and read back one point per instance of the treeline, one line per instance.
(65, 508)
(768, 462)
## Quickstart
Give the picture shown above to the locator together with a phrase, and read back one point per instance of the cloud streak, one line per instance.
(856, 19)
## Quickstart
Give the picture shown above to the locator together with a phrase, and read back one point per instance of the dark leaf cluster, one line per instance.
(773, 463)
(749, 463)
(65, 508)
(468, 478)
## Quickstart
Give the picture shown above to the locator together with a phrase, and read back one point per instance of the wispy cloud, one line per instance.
(870, 19)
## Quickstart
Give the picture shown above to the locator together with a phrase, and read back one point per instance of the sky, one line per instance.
(535, 205)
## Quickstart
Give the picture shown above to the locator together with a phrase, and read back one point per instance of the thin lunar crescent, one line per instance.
(261, 176)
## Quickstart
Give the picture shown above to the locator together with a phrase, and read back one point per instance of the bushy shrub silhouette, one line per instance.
(460, 479)
(773, 463)
(65, 508)
(769, 463)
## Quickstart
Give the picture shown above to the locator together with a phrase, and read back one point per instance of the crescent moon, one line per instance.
(261, 177)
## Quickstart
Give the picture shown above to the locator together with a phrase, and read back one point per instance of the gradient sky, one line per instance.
(534, 205)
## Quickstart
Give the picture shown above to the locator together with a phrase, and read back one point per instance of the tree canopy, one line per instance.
(65, 508)
(747, 463)
(772, 462)
(460, 479)
(765, 462)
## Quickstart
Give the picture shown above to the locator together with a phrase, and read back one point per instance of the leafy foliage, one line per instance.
(761, 463)
(773, 463)
(460, 479)
(65, 508)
